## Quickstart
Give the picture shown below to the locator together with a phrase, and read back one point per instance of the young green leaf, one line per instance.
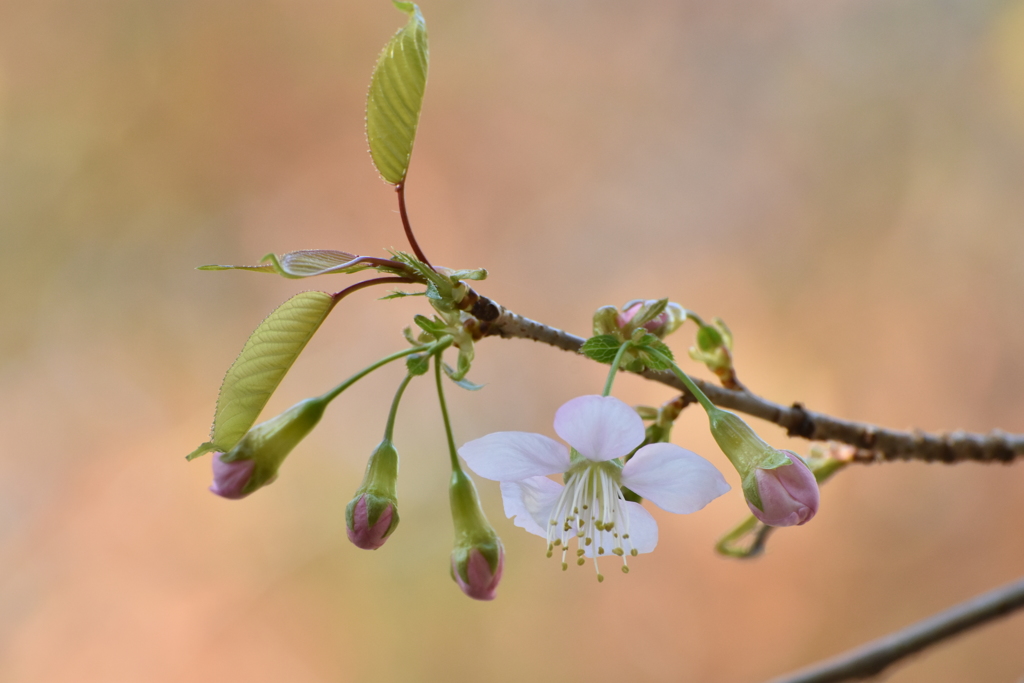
(601, 348)
(262, 364)
(649, 341)
(306, 263)
(396, 96)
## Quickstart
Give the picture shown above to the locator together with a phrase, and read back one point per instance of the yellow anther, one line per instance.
(625, 569)
(634, 552)
(565, 566)
(618, 551)
(589, 541)
(600, 578)
(580, 561)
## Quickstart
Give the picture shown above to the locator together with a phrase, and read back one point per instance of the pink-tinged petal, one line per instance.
(512, 456)
(789, 494)
(673, 478)
(529, 502)
(643, 534)
(480, 583)
(231, 478)
(599, 427)
(361, 533)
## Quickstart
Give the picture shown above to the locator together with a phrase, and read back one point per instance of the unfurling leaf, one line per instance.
(262, 364)
(396, 96)
(463, 383)
(306, 263)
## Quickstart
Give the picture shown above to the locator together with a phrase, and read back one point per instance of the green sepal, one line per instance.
(395, 98)
(263, 362)
(601, 348)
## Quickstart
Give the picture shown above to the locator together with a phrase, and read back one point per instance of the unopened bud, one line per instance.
(660, 317)
(372, 515)
(255, 460)
(789, 494)
(778, 486)
(478, 557)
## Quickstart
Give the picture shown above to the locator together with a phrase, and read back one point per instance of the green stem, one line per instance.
(615, 367)
(444, 413)
(333, 393)
(390, 427)
(704, 401)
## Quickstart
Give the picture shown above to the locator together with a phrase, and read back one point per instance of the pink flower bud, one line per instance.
(231, 478)
(473, 572)
(361, 532)
(652, 326)
(789, 494)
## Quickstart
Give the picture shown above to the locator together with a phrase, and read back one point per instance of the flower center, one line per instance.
(592, 510)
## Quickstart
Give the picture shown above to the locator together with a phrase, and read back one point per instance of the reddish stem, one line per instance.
(400, 189)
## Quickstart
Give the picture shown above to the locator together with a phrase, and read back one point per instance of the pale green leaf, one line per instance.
(262, 364)
(396, 96)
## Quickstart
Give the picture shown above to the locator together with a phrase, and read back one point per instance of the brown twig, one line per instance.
(873, 658)
(874, 444)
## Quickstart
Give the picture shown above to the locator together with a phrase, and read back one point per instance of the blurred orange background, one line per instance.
(842, 182)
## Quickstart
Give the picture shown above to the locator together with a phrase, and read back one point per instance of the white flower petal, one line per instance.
(512, 456)
(673, 478)
(529, 502)
(599, 427)
(643, 534)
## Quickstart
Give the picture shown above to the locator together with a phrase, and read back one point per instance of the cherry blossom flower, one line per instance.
(590, 506)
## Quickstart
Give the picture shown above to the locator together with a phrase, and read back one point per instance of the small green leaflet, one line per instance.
(265, 359)
(396, 96)
(601, 348)
(300, 264)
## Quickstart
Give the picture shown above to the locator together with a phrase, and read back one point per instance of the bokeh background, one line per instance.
(842, 181)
